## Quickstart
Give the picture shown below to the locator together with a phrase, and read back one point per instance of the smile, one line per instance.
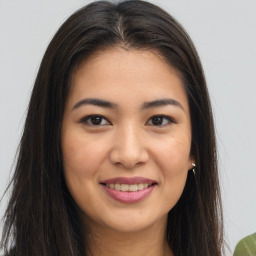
(128, 190)
(127, 187)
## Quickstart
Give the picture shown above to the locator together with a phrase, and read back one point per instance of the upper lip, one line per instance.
(126, 180)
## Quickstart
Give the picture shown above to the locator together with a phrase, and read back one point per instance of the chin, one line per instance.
(129, 220)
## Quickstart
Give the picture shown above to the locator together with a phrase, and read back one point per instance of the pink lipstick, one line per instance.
(128, 190)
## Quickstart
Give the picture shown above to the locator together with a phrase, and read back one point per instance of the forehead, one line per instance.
(119, 56)
(117, 74)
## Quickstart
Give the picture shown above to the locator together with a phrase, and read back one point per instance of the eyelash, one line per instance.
(85, 120)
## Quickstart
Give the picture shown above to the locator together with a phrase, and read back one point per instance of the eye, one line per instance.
(160, 120)
(94, 120)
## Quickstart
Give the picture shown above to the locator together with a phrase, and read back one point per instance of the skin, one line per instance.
(126, 143)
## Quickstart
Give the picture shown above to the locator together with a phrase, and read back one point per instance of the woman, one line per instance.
(118, 151)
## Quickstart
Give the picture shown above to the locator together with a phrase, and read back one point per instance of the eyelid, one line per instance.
(170, 120)
(84, 120)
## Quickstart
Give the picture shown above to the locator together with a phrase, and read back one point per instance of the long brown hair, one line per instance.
(41, 218)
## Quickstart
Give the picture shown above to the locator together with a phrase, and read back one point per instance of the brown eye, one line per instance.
(157, 120)
(160, 120)
(94, 120)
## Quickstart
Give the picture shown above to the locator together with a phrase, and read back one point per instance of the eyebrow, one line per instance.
(161, 103)
(95, 102)
(111, 105)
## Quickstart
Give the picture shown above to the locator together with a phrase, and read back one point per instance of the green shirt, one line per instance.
(246, 246)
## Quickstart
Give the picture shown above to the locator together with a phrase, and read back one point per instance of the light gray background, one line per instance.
(224, 32)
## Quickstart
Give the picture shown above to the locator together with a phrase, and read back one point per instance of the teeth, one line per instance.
(133, 187)
(124, 187)
(117, 187)
(140, 186)
(127, 187)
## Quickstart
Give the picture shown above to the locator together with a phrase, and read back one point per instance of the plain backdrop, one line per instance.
(224, 32)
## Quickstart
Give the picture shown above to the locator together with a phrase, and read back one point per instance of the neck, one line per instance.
(150, 241)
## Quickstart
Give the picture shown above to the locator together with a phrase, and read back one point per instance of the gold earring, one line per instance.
(194, 171)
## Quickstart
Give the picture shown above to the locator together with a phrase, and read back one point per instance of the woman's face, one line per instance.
(126, 138)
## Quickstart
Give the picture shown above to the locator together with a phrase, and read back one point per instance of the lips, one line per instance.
(124, 180)
(128, 190)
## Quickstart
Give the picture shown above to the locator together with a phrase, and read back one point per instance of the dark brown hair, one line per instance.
(41, 218)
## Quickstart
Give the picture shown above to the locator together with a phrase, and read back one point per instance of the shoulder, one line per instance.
(246, 246)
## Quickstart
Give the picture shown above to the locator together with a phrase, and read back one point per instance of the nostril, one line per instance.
(128, 157)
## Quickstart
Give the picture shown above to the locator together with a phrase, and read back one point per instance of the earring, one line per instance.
(194, 171)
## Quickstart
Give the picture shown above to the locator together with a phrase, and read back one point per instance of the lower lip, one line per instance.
(129, 197)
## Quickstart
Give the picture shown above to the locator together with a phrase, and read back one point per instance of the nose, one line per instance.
(129, 148)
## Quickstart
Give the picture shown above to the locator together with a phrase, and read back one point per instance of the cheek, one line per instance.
(81, 156)
(173, 156)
